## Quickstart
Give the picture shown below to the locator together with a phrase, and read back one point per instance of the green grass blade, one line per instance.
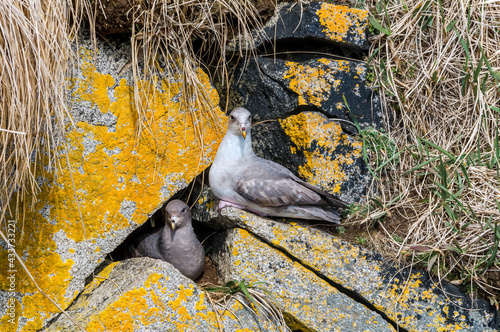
(378, 26)
(440, 149)
(249, 296)
(419, 166)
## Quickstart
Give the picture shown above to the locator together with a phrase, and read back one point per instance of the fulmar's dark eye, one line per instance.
(232, 117)
(183, 210)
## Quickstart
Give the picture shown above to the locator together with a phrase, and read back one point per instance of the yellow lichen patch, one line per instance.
(200, 305)
(182, 319)
(178, 304)
(110, 179)
(119, 316)
(10, 320)
(402, 296)
(153, 279)
(168, 152)
(314, 84)
(338, 20)
(131, 309)
(290, 284)
(306, 128)
(100, 278)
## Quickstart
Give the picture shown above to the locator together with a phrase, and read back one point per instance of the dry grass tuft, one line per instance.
(174, 38)
(35, 46)
(169, 39)
(35, 49)
(438, 69)
(252, 296)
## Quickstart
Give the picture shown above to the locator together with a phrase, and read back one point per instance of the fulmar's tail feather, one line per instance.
(329, 198)
(316, 213)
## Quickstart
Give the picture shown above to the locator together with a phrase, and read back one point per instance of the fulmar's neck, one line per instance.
(235, 148)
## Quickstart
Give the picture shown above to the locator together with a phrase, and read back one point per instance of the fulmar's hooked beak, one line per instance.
(243, 131)
(173, 222)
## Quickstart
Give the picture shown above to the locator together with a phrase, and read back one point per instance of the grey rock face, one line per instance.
(274, 88)
(315, 148)
(407, 297)
(103, 183)
(143, 294)
(309, 302)
(312, 21)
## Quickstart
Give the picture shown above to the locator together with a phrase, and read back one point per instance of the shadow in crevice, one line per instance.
(156, 221)
(305, 49)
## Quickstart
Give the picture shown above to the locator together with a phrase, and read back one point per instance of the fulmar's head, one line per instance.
(177, 214)
(240, 121)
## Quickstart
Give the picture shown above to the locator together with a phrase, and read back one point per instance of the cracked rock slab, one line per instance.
(103, 183)
(273, 88)
(408, 297)
(318, 21)
(309, 303)
(144, 294)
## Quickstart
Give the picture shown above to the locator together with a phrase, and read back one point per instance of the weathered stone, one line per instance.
(320, 150)
(316, 149)
(114, 16)
(206, 210)
(106, 180)
(144, 294)
(312, 21)
(408, 297)
(274, 88)
(309, 303)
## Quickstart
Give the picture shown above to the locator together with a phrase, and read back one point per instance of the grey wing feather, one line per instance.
(276, 192)
(269, 184)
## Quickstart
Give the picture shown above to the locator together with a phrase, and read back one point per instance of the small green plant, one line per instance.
(370, 76)
(379, 25)
(379, 149)
(258, 299)
(362, 239)
(397, 238)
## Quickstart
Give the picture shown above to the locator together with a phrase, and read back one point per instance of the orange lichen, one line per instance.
(10, 320)
(200, 304)
(306, 128)
(295, 304)
(314, 84)
(338, 20)
(107, 170)
(153, 303)
(402, 295)
(131, 309)
(153, 278)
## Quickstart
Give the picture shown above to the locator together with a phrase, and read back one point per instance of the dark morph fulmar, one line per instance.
(175, 243)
